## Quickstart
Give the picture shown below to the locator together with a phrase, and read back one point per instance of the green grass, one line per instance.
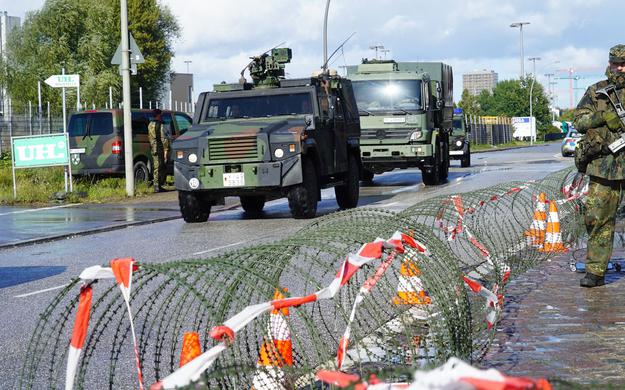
(513, 144)
(37, 186)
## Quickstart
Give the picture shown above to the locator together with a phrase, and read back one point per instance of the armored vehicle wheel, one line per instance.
(141, 172)
(252, 204)
(192, 207)
(432, 178)
(366, 176)
(348, 193)
(303, 197)
(466, 160)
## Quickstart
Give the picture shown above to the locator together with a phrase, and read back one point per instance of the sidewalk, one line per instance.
(553, 328)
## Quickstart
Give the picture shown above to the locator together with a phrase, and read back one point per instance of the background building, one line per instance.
(479, 81)
(179, 91)
(7, 25)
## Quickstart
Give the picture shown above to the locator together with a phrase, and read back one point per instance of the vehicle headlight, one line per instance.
(194, 183)
(415, 135)
(278, 153)
(193, 158)
(459, 143)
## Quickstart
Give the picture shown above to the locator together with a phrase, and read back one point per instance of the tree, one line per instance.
(82, 36)
(469, 104)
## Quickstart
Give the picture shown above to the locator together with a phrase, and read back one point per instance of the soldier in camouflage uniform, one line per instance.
(159, 144)
(597, 119)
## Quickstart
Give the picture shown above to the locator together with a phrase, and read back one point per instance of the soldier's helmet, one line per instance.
(617, 54)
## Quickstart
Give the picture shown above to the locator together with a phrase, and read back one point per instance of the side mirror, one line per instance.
(310, 122)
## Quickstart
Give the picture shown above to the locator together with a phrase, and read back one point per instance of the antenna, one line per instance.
(376, 48)
(242, 79)
(325, 64)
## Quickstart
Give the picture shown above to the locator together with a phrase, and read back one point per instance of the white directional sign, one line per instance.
(63, 81)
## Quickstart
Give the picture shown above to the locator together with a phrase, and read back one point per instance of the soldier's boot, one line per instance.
(157, 188)
(592, 280)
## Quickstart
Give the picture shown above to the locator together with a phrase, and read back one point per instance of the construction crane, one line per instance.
(574, 78)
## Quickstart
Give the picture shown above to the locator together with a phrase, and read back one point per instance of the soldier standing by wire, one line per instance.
(159, 144)
(600, 154)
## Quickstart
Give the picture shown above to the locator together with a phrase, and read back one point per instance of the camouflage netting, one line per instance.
(478, 234)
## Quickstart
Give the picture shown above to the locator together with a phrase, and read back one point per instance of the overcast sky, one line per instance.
(218, 36)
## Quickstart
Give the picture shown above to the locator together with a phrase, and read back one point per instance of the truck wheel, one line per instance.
(444, 169)
(366, 176)
(466, 159)
(142, 174)
(303, 197)
(432, 178)
(348, 193)
(192, 207)
(252, 204)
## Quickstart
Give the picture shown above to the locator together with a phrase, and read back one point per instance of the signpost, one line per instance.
(39, 151)
(524, 127)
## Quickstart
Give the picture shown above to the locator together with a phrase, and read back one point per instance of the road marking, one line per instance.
(41, 291)
(40, 209)
(218, 248)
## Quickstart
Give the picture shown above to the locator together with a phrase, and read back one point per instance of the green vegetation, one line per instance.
(513, 144)
(510, 98)
(82, 36)
(38, 186)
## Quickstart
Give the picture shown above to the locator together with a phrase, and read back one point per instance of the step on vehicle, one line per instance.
(96, 139)
(268, 139)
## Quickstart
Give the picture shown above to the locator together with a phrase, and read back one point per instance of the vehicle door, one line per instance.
(324, 134)
(92, 137)
(140, 139)
(340, 132)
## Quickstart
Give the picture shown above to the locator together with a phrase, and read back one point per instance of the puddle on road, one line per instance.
(12, 276)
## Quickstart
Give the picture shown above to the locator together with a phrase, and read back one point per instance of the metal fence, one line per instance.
(491, 130)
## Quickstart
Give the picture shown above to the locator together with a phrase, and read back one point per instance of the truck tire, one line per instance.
(366, 176)
(433, 177)
(303, 197)
(465, 161)
(141, 172)
(192, 207)
(252, 204)
(348, 193)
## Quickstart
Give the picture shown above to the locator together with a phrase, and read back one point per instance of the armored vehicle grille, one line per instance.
(238, 148)
(373, 134)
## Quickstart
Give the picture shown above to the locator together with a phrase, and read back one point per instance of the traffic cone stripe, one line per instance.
(410, 289)
(553, 236)
(536, 232)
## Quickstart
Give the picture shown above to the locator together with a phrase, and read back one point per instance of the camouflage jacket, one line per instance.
(589, 121)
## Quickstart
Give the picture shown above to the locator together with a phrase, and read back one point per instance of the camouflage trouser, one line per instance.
(604, 197)
(159, 153)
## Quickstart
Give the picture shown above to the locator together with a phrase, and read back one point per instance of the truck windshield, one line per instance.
(388, 95)
(259, 106)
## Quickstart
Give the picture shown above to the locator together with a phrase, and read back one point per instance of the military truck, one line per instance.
(272, 138)
(406, 113)
(459, 141)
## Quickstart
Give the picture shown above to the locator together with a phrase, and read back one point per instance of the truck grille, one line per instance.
(377, 134)
(239, 148)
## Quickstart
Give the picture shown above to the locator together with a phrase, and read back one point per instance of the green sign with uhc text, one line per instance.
(40, 151)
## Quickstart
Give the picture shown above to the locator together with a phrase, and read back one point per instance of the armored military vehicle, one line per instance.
(459, 140)
(405, 115)
(271, 138)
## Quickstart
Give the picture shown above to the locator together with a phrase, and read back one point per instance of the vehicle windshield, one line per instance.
(259, 106)
(388, 95)
(458, 130)
(574, 134)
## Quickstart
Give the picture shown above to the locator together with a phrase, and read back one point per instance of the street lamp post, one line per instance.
(520, 26)
(325, 38)
(125, 69)
(533, 59)
(188, 62)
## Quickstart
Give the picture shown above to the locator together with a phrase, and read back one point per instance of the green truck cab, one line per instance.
(405, 116)
(459, 140)
(268, 139)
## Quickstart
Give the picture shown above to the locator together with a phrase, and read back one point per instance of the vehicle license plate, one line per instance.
(456, 152)
(234, 179)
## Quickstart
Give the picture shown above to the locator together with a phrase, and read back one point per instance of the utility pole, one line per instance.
(125, 69)
(534, 59)
(520, 26)
(188, 62)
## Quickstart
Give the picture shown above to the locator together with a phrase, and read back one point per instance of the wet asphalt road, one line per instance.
(31, 274)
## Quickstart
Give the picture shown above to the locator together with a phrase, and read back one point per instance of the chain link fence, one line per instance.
(490, 130)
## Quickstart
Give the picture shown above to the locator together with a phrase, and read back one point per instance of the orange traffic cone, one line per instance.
(536, 233)
(190, 347)
(276, 351)
(553, 236)
(410, 288)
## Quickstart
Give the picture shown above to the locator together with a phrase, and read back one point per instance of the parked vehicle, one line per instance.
(273, 138)
(459, 140)
(570, 142)
(406, 113)
(96, 139)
